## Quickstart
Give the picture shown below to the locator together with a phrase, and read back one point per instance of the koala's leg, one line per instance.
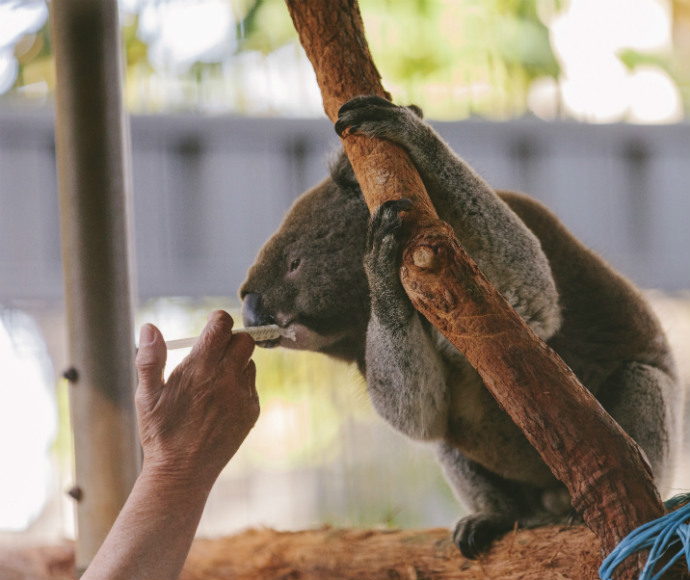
(405, 373)
(504, 248)
(642, 400)
(496, 504)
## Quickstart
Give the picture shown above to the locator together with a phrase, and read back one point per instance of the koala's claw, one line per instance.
(341, 128)
(574, 518)
(383, 240)
(389, 303)
(365, 109)
(385, 225)
(395, 206)
(365, 101)
(474, 535)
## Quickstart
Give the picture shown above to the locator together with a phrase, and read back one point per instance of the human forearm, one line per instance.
(153, 533)
(190, 426)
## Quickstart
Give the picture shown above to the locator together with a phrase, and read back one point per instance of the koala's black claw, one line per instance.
(362, 110)
(364, 101)
(375, 117)
(385, 221)
(474, 535)
(398, 205)
(387, 217)
(574, 518)
(342, 125)
(385, 226)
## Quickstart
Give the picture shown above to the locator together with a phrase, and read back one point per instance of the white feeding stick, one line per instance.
(258, 333)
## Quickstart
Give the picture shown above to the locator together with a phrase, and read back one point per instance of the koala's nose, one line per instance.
(253, 311)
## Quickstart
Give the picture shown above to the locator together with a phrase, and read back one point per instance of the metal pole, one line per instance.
(95, 202)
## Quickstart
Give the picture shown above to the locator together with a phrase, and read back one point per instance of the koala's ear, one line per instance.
(416, 110)
(342, 173)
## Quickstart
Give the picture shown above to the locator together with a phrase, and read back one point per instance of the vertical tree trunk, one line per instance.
(608, 477)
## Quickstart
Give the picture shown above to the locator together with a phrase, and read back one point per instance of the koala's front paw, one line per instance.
(383, 238)
(475, 534)
(389, 301)
(376, 117)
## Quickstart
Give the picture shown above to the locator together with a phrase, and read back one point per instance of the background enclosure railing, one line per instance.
(209, 191)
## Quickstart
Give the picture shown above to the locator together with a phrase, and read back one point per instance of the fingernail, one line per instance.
(147, 335)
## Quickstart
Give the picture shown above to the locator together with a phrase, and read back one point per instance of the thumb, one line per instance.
(150, 361)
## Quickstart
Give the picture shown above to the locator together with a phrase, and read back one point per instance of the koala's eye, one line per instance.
(295, 264)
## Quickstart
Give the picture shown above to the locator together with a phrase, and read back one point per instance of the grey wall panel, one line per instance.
(209, 191)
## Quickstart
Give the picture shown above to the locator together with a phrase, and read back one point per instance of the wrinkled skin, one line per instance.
(330, 273)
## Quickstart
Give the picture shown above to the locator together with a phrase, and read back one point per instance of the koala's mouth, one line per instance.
(268, 343)
(299, 336)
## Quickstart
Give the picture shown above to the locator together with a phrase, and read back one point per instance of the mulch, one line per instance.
(549, 553)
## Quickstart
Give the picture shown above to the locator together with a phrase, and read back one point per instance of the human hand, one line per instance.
(191, 425)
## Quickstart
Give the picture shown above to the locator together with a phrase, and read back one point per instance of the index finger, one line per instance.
(215, 338)
(240, 349)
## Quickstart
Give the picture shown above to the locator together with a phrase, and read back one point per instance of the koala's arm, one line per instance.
(504, 248)
(405, 374)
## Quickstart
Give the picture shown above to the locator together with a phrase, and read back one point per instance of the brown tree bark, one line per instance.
(548, 553)
(608, 477)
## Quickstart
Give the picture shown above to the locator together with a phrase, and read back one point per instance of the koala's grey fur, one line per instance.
(330, 273)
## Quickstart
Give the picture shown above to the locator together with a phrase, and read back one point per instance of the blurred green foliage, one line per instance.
(456, 58)
(427, 50)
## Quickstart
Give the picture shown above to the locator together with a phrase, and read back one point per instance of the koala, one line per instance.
(330, 275)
